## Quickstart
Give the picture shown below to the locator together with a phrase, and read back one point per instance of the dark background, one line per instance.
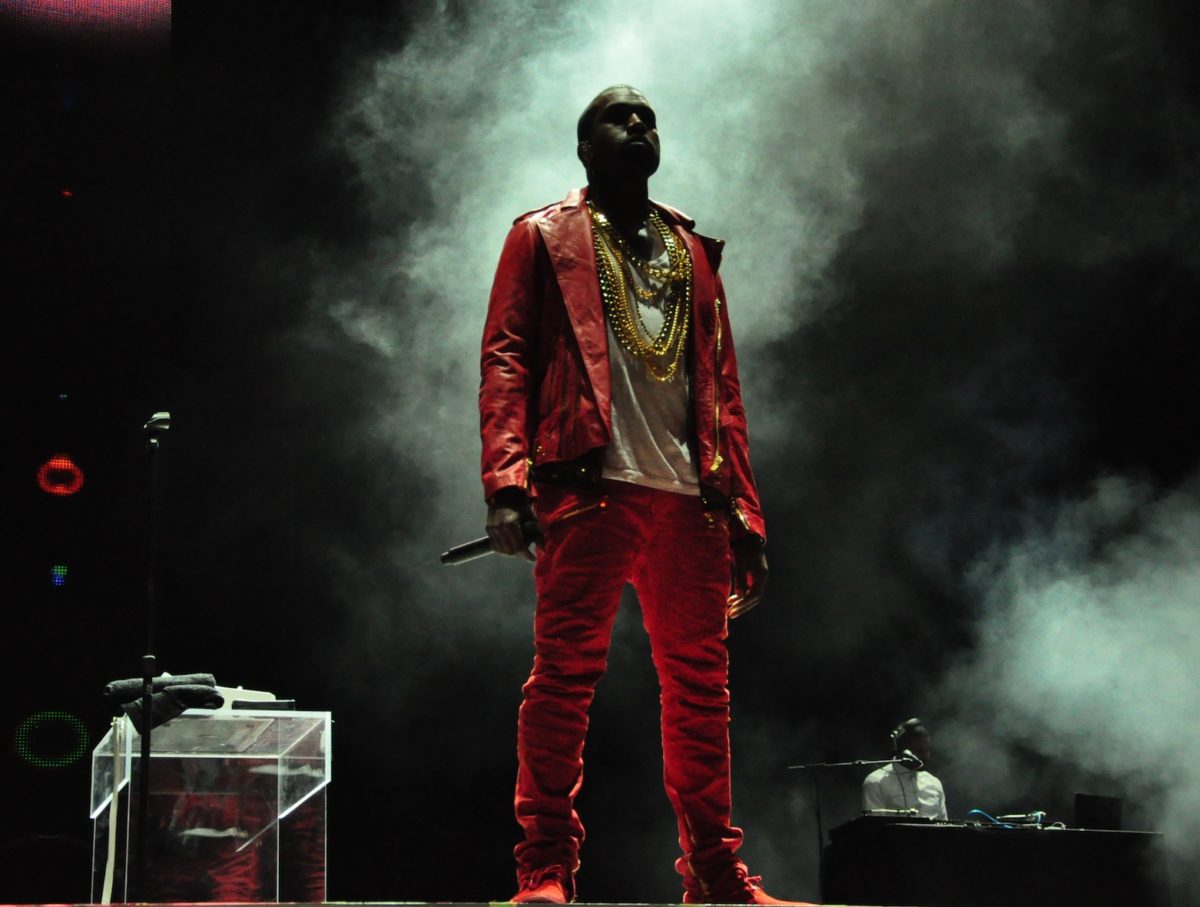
(196, 165)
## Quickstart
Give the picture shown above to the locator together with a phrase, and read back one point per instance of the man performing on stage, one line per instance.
(611, 413)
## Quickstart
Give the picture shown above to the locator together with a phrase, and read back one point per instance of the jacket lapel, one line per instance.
(568, 238)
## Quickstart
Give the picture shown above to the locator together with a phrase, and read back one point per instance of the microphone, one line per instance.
(909, 758)
(481, 547)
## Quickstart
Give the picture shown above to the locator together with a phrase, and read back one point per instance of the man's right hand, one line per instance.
(507, 511)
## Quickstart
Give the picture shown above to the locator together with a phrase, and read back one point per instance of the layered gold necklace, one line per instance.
(668, 289)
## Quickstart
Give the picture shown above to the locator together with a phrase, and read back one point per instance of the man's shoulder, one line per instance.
(538, 213)
(877, 776)
(573, 200)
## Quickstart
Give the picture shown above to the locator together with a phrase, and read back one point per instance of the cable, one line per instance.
(995, 822)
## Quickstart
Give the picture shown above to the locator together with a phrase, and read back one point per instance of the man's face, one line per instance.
(624, 139)
(918, 741)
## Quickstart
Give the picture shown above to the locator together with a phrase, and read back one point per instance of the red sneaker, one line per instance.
(550, 885)
(736, 887)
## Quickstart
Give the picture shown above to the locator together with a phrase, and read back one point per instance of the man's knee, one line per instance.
(559, 672)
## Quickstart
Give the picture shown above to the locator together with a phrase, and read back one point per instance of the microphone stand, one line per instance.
(158, 424)
(816, 767)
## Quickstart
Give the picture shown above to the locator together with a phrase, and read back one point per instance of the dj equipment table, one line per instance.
(875, 860)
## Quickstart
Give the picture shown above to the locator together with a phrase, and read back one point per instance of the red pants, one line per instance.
(676, 555)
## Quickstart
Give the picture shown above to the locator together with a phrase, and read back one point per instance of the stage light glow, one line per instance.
(60, 476)
(66, 193)
(51, 739)
(58, 574)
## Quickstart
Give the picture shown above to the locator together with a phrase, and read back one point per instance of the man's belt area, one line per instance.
(583, 470)
(588, 469)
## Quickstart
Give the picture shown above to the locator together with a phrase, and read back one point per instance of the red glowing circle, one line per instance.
(60, 476)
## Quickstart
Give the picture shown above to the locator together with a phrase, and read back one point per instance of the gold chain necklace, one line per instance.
(615, 263)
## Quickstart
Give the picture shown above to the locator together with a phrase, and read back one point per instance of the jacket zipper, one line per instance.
(737, 511)
(583, 509)
(717, 458)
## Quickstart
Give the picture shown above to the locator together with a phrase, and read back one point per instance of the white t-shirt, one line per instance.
(650, 418)
(899, 787)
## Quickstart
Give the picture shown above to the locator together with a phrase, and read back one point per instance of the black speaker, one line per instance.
(1100, 813)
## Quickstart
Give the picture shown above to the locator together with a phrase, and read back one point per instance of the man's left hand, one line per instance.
(748, 563)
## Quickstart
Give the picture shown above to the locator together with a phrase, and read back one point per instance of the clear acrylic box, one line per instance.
(237, 807)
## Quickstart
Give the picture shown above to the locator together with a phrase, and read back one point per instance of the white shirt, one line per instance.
(899, 787)
(650, 419)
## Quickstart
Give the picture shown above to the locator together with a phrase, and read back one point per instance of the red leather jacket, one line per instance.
(544, 394)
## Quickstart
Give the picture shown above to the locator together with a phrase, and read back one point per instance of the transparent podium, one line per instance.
(237, 807)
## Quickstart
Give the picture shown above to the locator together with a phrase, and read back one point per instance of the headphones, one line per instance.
(900, 730)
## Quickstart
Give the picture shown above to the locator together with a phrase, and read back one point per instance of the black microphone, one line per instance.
(481, 547)
(909, 758)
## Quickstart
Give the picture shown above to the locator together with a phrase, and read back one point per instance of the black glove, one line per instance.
(171, 702)
(121, 691)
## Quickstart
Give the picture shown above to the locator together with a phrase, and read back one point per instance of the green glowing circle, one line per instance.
(30, 725)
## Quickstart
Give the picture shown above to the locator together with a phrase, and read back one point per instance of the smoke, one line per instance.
(769, 120)
(469, 124)
(1086, 640)
(957, 249)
